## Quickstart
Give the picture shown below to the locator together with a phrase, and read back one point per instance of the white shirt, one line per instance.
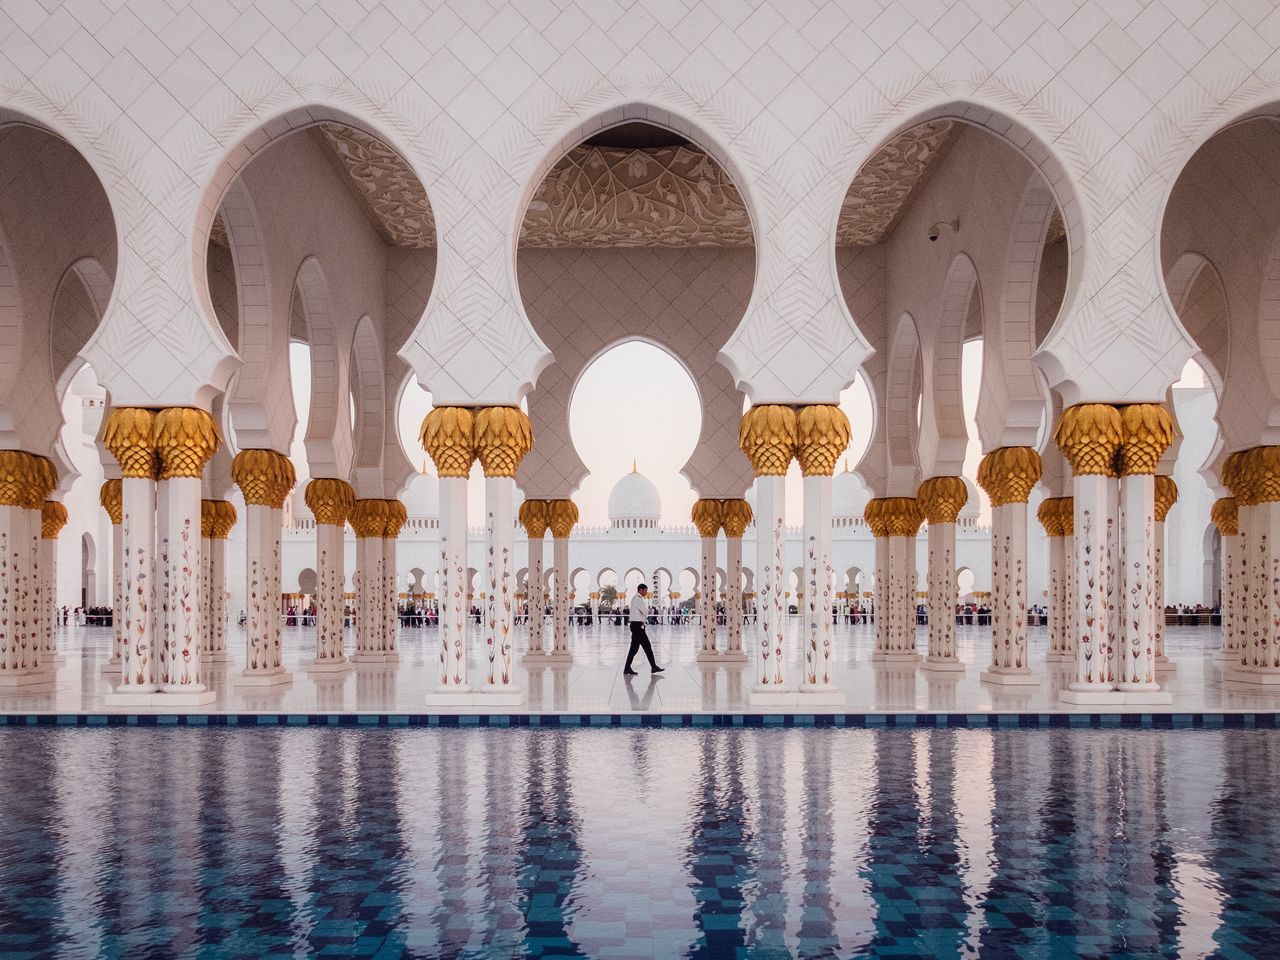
(639, 609)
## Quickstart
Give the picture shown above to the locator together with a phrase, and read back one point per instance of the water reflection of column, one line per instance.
(940, 772)
(736, 516)
(1226, 518)
(533, 517)
(1240, 810)
(767, 435)
(941, 499)
(893, 828)
(718, 836)
(706, 517)
(109, 497)
(80, 851)
(975, 809)
(549, 852)
(561, 517)
(765, 850)
(817, 929)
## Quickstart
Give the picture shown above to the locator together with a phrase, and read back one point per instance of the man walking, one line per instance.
(639, 637)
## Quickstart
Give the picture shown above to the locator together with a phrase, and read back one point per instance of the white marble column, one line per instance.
(895, 522)
(454, 623)
(53, 517)
(1166, 495)
(706, 518)
(562, 516)
(880, 596)
(222, 517)
(1089, 437)
(822, 435)
(533, 515)
(736, 517)
(1137, 662)
(1148, 431)
(1261, 661)
(369, 521)
(1008, 474)
(19, 647)
(1225, 517)
(771, 619)
(1053, 515)
(179, 547)
(331, 502)
(768, 437)
(503, 436)
(500, 589)
(818, 677)
(397, 517)
(109, 498)
(265, 477)
(941, 499)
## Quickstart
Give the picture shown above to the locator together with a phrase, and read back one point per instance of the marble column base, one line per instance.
(221, 657)
(25, 678)
(882, 656)
(1226, 656)
(1116, 698)
(534, 657)
(113, 665)
(1022, 678)
(1059, 658)
(734, 656)
(369, 658)
(565, 657)
(161, 698)
(773, 697)
(1262, 676)
(943, 665)
(1165, 665)
(326, 666)
(502, 696)
(825, 694)
(273, 679)
(708, 656)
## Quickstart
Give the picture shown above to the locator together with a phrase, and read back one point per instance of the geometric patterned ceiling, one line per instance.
(612, 196)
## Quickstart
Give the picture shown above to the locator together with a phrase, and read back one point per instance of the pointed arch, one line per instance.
(368, 386)
(943, 434)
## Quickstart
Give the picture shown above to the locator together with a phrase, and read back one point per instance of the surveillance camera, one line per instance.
(938, 229)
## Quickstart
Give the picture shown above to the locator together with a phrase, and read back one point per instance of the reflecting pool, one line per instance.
(639, 843)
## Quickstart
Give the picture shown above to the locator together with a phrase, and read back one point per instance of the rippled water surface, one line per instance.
(640, 843)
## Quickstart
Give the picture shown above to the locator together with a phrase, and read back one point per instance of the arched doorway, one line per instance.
(88, 572)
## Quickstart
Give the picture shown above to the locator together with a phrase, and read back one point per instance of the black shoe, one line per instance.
(628, 673)
(657, 670)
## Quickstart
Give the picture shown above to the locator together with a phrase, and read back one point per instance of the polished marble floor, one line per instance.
(637, 844)
(594, 683)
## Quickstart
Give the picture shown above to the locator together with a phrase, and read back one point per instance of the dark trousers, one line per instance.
(640, 641)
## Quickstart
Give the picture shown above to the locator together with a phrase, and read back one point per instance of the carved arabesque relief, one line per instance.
(664, 197)
(884, 183)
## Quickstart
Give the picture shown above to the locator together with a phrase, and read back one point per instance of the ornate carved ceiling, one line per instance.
(599, 196)
(610, 197)
(880, 191)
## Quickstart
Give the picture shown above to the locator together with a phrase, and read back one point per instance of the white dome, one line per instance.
(634, 497)
(848, 495)
(422, 497)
